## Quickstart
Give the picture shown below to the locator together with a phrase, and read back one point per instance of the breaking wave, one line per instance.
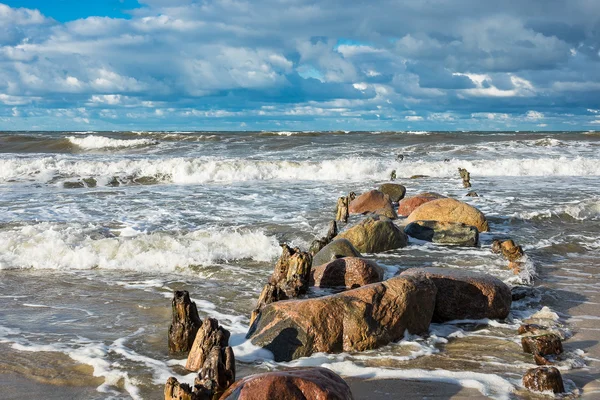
(100, 142)
(54, 246)
(206, 170)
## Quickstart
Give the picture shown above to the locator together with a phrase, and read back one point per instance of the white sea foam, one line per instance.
(50, 246)
(93, 142)
(206, 170)
(587, 209)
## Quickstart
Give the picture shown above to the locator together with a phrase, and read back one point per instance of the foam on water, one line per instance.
(207, 170)
(52, 246)
(93, 142)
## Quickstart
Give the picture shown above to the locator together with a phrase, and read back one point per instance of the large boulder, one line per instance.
(450, 210)
(349, 272)
(465, 294)
(374, 235)
(449, 233)
(394, 190)
(338, 248)
(369, 202)
(314, 383)
(408, 205)
(357, 320)
(544, 379)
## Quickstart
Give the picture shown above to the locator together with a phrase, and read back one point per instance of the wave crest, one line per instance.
(93, 142)
(53, 246)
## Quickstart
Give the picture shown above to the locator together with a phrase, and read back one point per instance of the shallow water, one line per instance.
(97, 229)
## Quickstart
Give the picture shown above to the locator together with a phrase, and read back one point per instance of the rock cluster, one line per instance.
(365, 312)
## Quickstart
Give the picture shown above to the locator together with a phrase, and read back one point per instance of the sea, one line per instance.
(97, 229)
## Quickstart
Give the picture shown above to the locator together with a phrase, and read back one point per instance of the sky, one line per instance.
(299, 65)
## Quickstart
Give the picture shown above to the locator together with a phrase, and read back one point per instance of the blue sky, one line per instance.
(299, 65)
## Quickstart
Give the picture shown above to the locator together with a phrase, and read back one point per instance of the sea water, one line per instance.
(98, 228)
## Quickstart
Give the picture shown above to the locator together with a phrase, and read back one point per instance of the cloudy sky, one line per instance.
(300, 64)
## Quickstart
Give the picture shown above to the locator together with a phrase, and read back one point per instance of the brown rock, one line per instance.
(544, 345)
(450, 210)
(374, 235)
(338, 248)
(543, 379)
(497, 246)
(446, 233)
(465, 294)
(298, 384)
(511, 251)
(357, 320)
(394, 190)
(515, 267)
(408, 205)
(349, 272)
(531, 328)
(369, 202)
(185, 322)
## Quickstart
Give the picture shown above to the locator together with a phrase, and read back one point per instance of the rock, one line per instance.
(450, 233)
(466, 294)
(90, 182)
(419, 176)
(531, 328)
(450, 210)
(409, 204)
(318, 244)
(289, 279)
(356, 320)
(394, 190)
(521, 292)
(472, 194)
(511, 251)
(515, 267)
(374, 235)
(338, 248)
(73, 185)
(314, 383)
(370, 201)
(387, 211)
(341, 211)
(185, 323)
(543, 379)
(349, 272)
(497, 246)
(543, 345)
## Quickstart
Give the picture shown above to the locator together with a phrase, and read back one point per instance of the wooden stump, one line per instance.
(209, 335)
(318, 244)
(341, 212)
(466, 177)
(212, 357)
(290, 279)
(185, 324)
(178, 391)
